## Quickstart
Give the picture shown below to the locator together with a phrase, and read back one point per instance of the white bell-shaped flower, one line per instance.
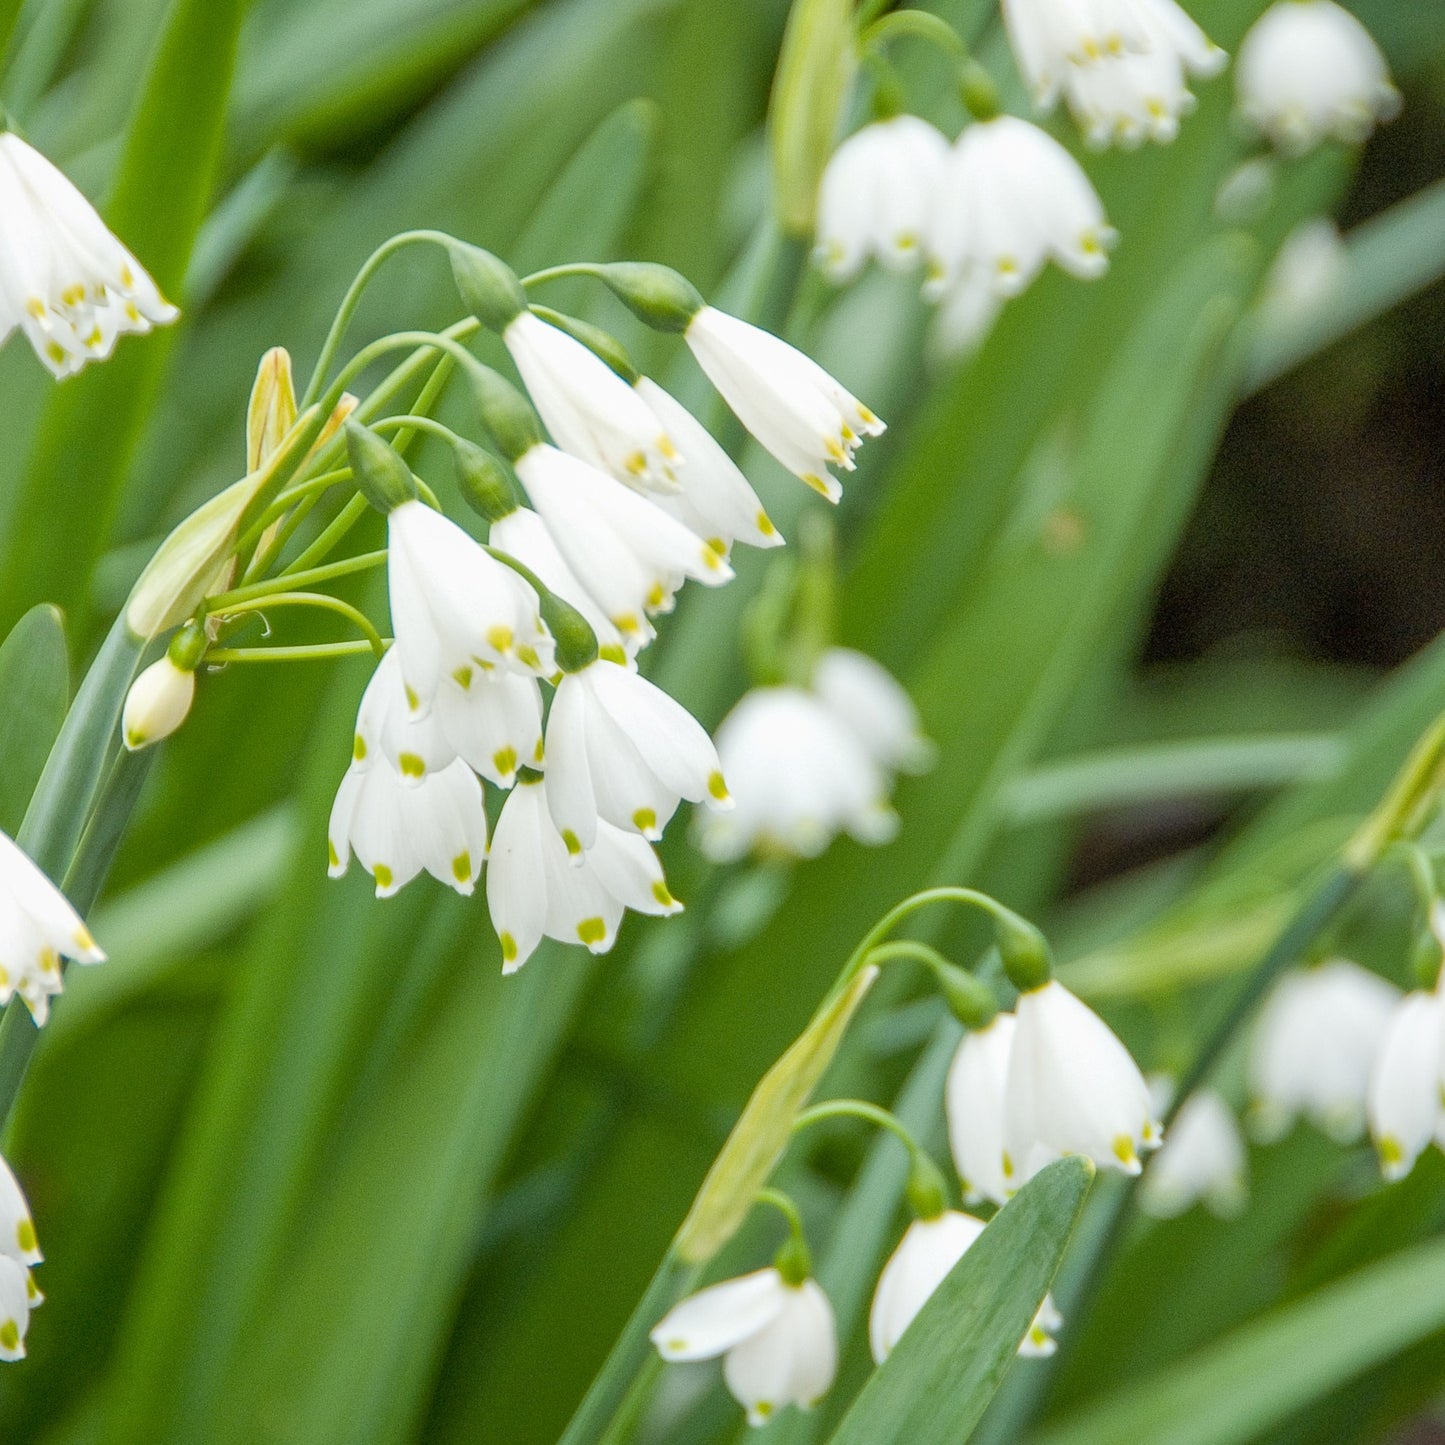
(1314, 1045)
(64, 279)
(454, 607)
(17, 1229)
(387, 728)
(1127, 99)
(523, 534)
(1013, 198)
(1403, 1101)
(536, 889)
(798, 777)
(973, 1102)
(966, 313)
(1307, 70)
(17, 1297)
(877, 191)
(157, 704)
(779, 1341)
(589, 410)
(1073, 1088)
(37, 928)
(714, 499)
(628, 553)
(621, 750)
(925, 1255)
(806, 419)
(875, 706)
(396, 828)
(1203, 1160)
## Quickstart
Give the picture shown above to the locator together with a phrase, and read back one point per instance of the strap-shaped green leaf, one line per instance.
(934, 1387)
(34, 693)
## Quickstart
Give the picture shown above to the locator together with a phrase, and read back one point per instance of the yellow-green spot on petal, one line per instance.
(462, 867)
(665, 446)
(509, 947)
(663, 895)
(411, 765)
(656, 596)
(49, 961)
(572, 841)
(644, 820)
(591, 930)
(412, 700)
(332, 856)
(763, 1409)
(835, 451)
(1008, 1166)
(25, 1236)
(1037, 1335)
(358, 748)
(1124, 1150)
(527, 656)
(463, 677)
(32, 1290)
(718, 545)
(627, 622)
(10, 1335)
(718, 788)
(675, 1345)
(500, 638)
(613, 652)
(383, 875)
(713, 556)
(906, 241)
(83, 941)
(55, 351)
(816, 482)
(505, 761)
(4, 977)
(765, 525)
(1391, 1152)
(636, 464)
(537, 752)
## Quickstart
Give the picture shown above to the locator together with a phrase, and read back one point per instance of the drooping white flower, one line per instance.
(925, 1255)
(589, 410)
(1307, 70)
(621, 750)
(157, 704)
(1127, 99)
(1404, 1102)
(778, 1341)
(798, 778)
(536, 889)
(1012, 198)
(877, 190)
(1073, 1088)
(64, 279)
(17, 1229)
(16, 1300)
(973, 1101)
(1203, 1159)
(714, 499)
(1313, 1047)
(966, 313)
(454, 607)
(875, 707)
(396, 828)
(785, 399)
(523, 534)
(628, 553)
(37, 928)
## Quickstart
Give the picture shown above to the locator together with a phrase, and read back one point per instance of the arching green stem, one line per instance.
(316, 652)
(326, 603)
(927, 1192)
(230, 601)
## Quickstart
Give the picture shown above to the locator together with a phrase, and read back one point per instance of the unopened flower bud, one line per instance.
(382, 475)
(657, 295)
(157, 704)
(489, 287)
(483, 481)
(507, 414)
(272, 410)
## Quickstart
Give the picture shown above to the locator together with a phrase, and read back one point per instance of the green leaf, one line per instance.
(34, 693)
(935, 1385)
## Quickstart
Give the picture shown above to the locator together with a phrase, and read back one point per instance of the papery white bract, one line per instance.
(620, 749)
(589, 410)
(973, 1101)
(1073, 1088)
(1203, 1159)
(925, 1255)
(629, 554)
(1011, 199)
(64, 279)
(1313, 1047)
(397, 828)
(37, 928)
(778, 1340)
(714, 498)
(873, 705)
(1307, 70)
(877, 191)
(536, 890)
(1404, 1101)
(454, 607)
(807, 420)
(798, 778)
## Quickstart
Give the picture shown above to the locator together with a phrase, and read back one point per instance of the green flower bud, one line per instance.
(505, 412)
(573, 634)
(384, 478)
(483, 481)
(970, 1000)
(489, 288)
(926, 1192)
(1027, 958)
(657, 295)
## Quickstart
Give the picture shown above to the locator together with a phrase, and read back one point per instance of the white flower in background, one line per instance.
(64, 279)
(1012, 199)
(798, 778)
(875, 707)
(621, 750)
(589, 410)
(784, 398)
(396, 828)
(1307, 70)
(16, 1300)
(1073, 1088)
(37, 928)
(1131, 98)
(876, 194)
(17, 1229)
(1404, 1102)
(973, 1101)
(1314, 1045)
(157, 704)
(1203, 1159)
(523, 534)
(454, 607)
(1308, 274)
(536, 890)
(627, 552)
(925, 1255)
(966, 313)
(714, 500)
(778, 1341)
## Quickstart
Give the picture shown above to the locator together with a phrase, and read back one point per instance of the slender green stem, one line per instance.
(355, 509)
(921, 25)
(411, 422)
(263, 561)
(352, 299)
(561, 273)
(858, 1109)
(313, 652)
(321, 600)
(229, 601)
(785, 1206)
(404, 375)
(399, 341)
(298, 492)
(625, 1423)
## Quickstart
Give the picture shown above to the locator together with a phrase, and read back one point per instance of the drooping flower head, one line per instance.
(1203, 1160)
(875, 707)
(973, 1102)
(1404, 1100)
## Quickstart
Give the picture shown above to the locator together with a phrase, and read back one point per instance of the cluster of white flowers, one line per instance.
(634, 499)
(805, 764)
(19, 1253)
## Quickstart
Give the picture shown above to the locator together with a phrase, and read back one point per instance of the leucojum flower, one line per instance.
(1202, 1161)
(19, 1252)
(1404, 1101)
(65, 281)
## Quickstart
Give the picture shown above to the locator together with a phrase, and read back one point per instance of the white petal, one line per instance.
(927, 1252)
(974, 1104)
(17, 1229)
(792, 1360)
(869, 701)
(1404, 1100)
(712, 1321)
